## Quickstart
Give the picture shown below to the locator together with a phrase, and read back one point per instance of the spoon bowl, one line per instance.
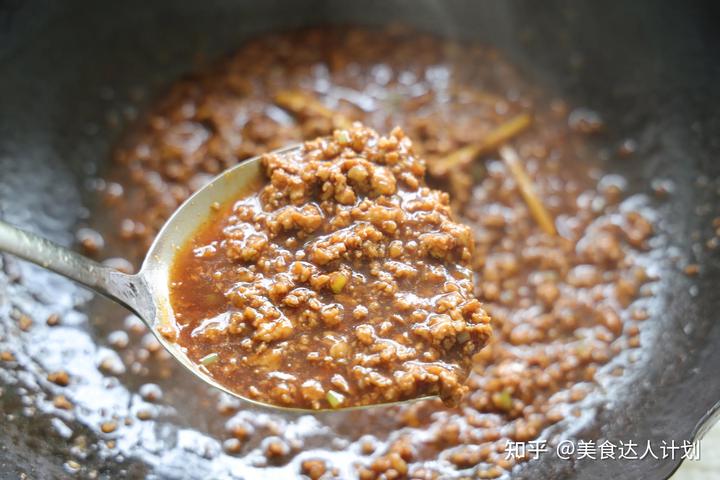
(147, 293)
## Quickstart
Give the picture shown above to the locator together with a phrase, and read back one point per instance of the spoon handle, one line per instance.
(128, 290)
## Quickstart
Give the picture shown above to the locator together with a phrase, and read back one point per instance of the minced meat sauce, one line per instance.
(344, 281)
(565, 302)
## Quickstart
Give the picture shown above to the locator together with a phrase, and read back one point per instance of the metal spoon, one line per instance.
(146, 293)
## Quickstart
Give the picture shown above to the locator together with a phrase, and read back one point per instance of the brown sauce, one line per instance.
(563, 306)
(344, 281)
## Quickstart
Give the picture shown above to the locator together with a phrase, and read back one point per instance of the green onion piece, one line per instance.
(343, 137)
(209, 359)
(337, 282)
(334, 398)
(503, 400)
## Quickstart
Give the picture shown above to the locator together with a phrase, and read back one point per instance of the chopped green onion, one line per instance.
(334, 398)
(343, 137)
(337, 282)
(209, 359)
(503, 400)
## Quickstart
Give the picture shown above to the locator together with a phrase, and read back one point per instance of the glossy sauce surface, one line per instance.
(342, 282)
(567, 309)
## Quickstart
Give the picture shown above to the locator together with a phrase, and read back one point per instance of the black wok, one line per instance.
(650, 68)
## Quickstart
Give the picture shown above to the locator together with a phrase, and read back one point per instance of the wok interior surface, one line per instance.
(647, 67)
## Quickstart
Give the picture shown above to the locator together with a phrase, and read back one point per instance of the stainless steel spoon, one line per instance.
(146, 293)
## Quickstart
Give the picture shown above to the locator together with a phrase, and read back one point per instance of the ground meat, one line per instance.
(60, 378)
(551, 334)
(313, 468)
(342, 282)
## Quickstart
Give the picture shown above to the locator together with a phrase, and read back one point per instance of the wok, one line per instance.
(650, 68)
